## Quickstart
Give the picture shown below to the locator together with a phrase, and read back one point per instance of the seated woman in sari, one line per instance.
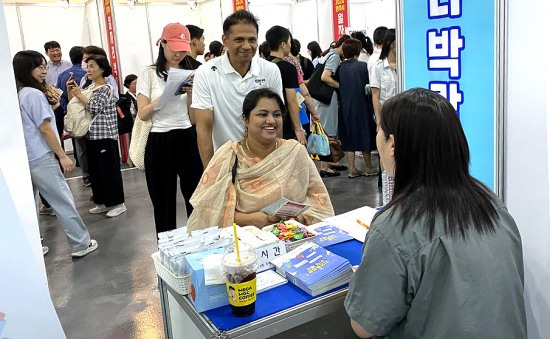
(245, 176)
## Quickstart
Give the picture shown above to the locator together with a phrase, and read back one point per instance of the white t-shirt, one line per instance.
(174, 114)
(384, 78)
(219, 87)
(372, 61)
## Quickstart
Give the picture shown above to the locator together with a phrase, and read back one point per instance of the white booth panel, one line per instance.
(134, 47)
(161, 15)
(67, 26)
(304, 24)
(324, 15)
(211, 21)
(380, 13)
(14, 33)
(271, 15)
(93, 23)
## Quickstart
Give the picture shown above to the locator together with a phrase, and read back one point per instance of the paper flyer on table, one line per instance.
(177, 78)
(285, 208)
(355, 223)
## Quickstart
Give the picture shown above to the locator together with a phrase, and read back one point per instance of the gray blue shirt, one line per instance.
(54, 70)
(410, 286)
(35, 109)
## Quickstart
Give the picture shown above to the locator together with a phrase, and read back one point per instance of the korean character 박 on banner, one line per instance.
(444, 9)
(444, 50)
(451, 91)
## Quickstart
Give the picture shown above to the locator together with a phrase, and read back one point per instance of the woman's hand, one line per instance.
(66, 164)
(258, 219)
(75, 90)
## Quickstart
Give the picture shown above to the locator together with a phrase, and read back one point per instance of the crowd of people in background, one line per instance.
(208, 114)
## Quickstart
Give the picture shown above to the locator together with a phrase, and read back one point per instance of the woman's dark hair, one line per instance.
(351, 48)
(160, 64)
(337, 43)
(24, 63)
(128, 80)
(253, 97)
(389, 39)
(315, 50)
(295, 47)
(207, 55)
(215, 48)
(94, 50)
(366, 43)
(432, 179)
(240, 17)
(102, 62)
(264, 49)
(379, 34)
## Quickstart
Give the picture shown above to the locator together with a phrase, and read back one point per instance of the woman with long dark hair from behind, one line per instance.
(315, 52)
(42, 143)
(444, 254)
(171, 150)
(366, 44)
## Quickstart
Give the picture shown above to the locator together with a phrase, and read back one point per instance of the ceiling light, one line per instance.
(132, 3)
(64, 3)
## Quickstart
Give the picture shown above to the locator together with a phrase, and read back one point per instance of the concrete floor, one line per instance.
(112, 293)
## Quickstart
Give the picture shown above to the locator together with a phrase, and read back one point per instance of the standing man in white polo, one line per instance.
(221, 84)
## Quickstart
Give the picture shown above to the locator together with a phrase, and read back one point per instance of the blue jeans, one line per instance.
(47, 179)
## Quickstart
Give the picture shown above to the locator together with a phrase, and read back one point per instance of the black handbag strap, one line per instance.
(234, 170)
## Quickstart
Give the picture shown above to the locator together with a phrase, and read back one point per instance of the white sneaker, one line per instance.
(91, 247)
(99, 209)
(116, 210)
(45, 250)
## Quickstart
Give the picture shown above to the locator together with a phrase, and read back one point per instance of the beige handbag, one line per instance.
(140, 133)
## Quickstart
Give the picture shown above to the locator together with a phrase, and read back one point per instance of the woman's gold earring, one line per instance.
(246, 132)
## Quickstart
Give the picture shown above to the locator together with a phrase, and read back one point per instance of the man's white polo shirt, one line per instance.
(220, 88)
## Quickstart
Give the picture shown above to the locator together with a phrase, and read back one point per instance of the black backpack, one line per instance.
(124, 116)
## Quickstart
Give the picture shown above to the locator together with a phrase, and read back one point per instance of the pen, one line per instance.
(362, 224)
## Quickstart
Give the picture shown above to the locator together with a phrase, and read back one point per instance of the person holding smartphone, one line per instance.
(171, 150)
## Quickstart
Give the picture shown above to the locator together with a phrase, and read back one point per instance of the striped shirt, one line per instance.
(103, 110)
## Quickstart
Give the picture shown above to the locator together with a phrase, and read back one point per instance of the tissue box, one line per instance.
(204, 297)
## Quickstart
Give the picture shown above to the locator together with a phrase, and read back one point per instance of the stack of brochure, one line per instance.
(328, 235)
(313, 268)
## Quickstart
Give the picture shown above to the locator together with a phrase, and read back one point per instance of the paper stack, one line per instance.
(313, 268)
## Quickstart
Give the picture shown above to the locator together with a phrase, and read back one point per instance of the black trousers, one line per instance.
(104, 171)
(167, 156)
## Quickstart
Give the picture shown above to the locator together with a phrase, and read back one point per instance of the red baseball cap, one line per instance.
(177, 36)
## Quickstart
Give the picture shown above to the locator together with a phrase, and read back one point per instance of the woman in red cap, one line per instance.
(171, 149)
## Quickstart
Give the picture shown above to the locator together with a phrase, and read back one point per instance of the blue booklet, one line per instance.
(329, 235)
(313, 268)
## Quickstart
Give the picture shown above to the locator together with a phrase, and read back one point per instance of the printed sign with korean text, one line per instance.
(449, 47)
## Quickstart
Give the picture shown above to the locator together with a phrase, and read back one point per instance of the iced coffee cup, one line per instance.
(240, 275)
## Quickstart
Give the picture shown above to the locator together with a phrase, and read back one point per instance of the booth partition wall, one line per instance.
(139, 25)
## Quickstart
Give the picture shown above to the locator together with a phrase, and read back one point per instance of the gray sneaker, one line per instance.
(356, 173)
(91, 247)
(116, 211)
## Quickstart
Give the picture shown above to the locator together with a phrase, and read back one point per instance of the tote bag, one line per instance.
(78, 119)
(317, 88)
(140, 134)
(317, 143)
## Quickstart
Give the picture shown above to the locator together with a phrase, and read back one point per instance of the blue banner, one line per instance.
(449, 47)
